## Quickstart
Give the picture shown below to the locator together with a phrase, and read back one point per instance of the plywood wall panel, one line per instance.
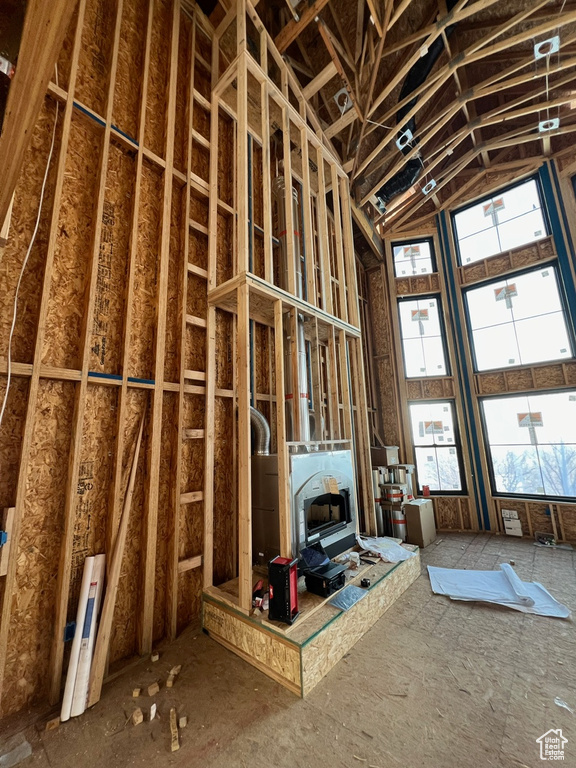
(24, 214)
(34, 597)
(106, 327)
(128, 602)
(224, 491)
(182, 94)
(73, 254)
(155, 125)
(175, 277)
(96, 54)
(141, 358)
(128, 87)
(189, 597)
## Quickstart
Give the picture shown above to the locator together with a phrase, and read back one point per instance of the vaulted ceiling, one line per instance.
(479, 85)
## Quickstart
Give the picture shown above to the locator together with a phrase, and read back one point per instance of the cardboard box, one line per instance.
(382, 457)
(420, 523)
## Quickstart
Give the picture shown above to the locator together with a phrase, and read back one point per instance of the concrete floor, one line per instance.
(434, 683)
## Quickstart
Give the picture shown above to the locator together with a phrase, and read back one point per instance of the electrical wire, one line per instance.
(24, 263)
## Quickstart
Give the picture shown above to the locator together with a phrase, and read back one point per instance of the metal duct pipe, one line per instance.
(297, 402)
(262, 429)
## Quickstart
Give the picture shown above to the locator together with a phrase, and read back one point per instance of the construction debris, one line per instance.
(182, 722)
(51, 725)
(154, 656)
(136, 692)
(152, 712)
(153, 689)
(137, 716)
(175, 743)
(174, 672)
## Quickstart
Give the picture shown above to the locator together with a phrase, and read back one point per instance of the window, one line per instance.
(422, 337)
(532, 443)
(518, 320)
(499, 223)
(415, 258)
(436, 446)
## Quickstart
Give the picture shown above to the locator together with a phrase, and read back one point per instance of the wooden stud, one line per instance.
(244, 450)
(284, 510)
(105, 626)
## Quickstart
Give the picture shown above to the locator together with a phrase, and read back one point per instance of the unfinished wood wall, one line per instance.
(110, 330)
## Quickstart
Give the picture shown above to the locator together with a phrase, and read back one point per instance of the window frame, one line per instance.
(463, 491)
(480, 200)
(443, 334)
(543, 498)
(415, 241)
(513, 276)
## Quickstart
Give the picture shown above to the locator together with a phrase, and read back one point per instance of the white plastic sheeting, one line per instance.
(503, 587)
(387, 549)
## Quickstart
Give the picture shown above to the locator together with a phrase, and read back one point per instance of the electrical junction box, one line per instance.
(512, 524)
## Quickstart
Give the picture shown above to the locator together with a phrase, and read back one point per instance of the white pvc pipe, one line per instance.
(75, 652)
(88, 636)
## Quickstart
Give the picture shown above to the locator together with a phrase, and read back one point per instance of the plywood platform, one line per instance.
(299, 656)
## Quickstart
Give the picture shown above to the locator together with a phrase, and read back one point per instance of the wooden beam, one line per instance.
(45, 26)
(328, 42)
(112, 583)
(321, 79)
(294, 28)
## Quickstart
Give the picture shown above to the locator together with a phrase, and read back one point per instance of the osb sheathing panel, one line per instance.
(224, 247)
(167, 496)
(224, 492)
(201, 121)
(32, 617)
(261, 335)
(196, 296)
(155, 124)
(141, 357)
(174, 299)
(225, 159)
(65, 56)
(520, 507)
(192, 475)
(198, 249)
(93, 483)
(224, 352)
(380, 316)
(107, 323)
(447, 514)
(128, 88)
(199, 211)
(189, 597)
(128, 600)
(24, 215)
(202, 80)
(201, 161)
(195, 348)
(327, 648)
(72, 257)
(95, 54)
(11, 432)
(191, 540)
(567, 512)
(182, 94)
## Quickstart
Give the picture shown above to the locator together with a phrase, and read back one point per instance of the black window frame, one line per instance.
(463, 491)
(423, 297)
(501, 191)
(415, 241)
(513, 276)
(490, 464)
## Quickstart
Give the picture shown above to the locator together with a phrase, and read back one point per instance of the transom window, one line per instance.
(415, 258)
(436, 446)
(422, 334)
(519, 320)
(532, 443)
(499, 223)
